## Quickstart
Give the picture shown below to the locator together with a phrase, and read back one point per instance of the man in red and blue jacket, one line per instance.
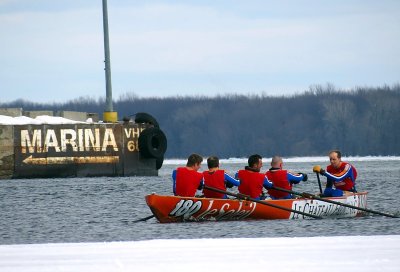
(341, 175)
(187, 180)
(252, 181)
(282, 179)
(217, 178)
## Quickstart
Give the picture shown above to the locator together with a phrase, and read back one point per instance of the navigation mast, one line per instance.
(109, 114)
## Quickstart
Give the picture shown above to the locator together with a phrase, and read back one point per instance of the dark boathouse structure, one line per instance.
(82, 149)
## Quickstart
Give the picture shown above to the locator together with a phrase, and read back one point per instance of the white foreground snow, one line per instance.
(340, 253)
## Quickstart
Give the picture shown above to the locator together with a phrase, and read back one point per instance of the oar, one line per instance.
(143, 219)
(246, 197)
(308, 195)
(319, 183)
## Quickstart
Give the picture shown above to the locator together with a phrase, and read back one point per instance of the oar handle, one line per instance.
(319, 183)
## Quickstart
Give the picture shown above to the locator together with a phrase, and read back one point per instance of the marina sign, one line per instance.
(80, 150)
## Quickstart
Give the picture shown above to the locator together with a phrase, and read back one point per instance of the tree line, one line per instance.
(362, 121)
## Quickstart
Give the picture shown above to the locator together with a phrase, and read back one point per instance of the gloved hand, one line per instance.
(305, 177)
(318, 169)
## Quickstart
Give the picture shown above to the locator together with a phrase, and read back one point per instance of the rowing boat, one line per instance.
(169, 209)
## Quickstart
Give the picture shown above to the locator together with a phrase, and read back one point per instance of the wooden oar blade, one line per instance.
(143, 219)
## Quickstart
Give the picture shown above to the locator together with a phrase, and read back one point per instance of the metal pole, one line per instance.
(109, 106)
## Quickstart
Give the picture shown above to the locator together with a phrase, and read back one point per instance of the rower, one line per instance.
(282, 179)
(252, 181)
(187, 180)
(341, 175)
(217, 178)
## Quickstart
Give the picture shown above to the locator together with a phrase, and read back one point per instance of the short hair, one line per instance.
(276, 160)
(253, 159)
(213, 162)
(339, 154)
(194, 159)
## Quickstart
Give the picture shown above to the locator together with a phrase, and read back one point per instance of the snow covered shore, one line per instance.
(340, 253)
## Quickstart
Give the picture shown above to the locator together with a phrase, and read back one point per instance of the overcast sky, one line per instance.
(52, 51)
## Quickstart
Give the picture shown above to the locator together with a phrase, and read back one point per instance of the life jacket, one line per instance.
(251, 183)
(187, 182)
(216, 180)
(349, 182)
(279, 179)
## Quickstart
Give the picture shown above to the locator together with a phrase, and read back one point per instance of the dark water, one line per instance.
(103, 209)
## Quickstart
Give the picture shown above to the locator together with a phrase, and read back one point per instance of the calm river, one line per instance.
(103, 209)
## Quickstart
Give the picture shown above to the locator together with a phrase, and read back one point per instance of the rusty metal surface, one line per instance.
(79, 150)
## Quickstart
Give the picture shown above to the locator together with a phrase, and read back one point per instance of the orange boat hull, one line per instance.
(177, 209)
